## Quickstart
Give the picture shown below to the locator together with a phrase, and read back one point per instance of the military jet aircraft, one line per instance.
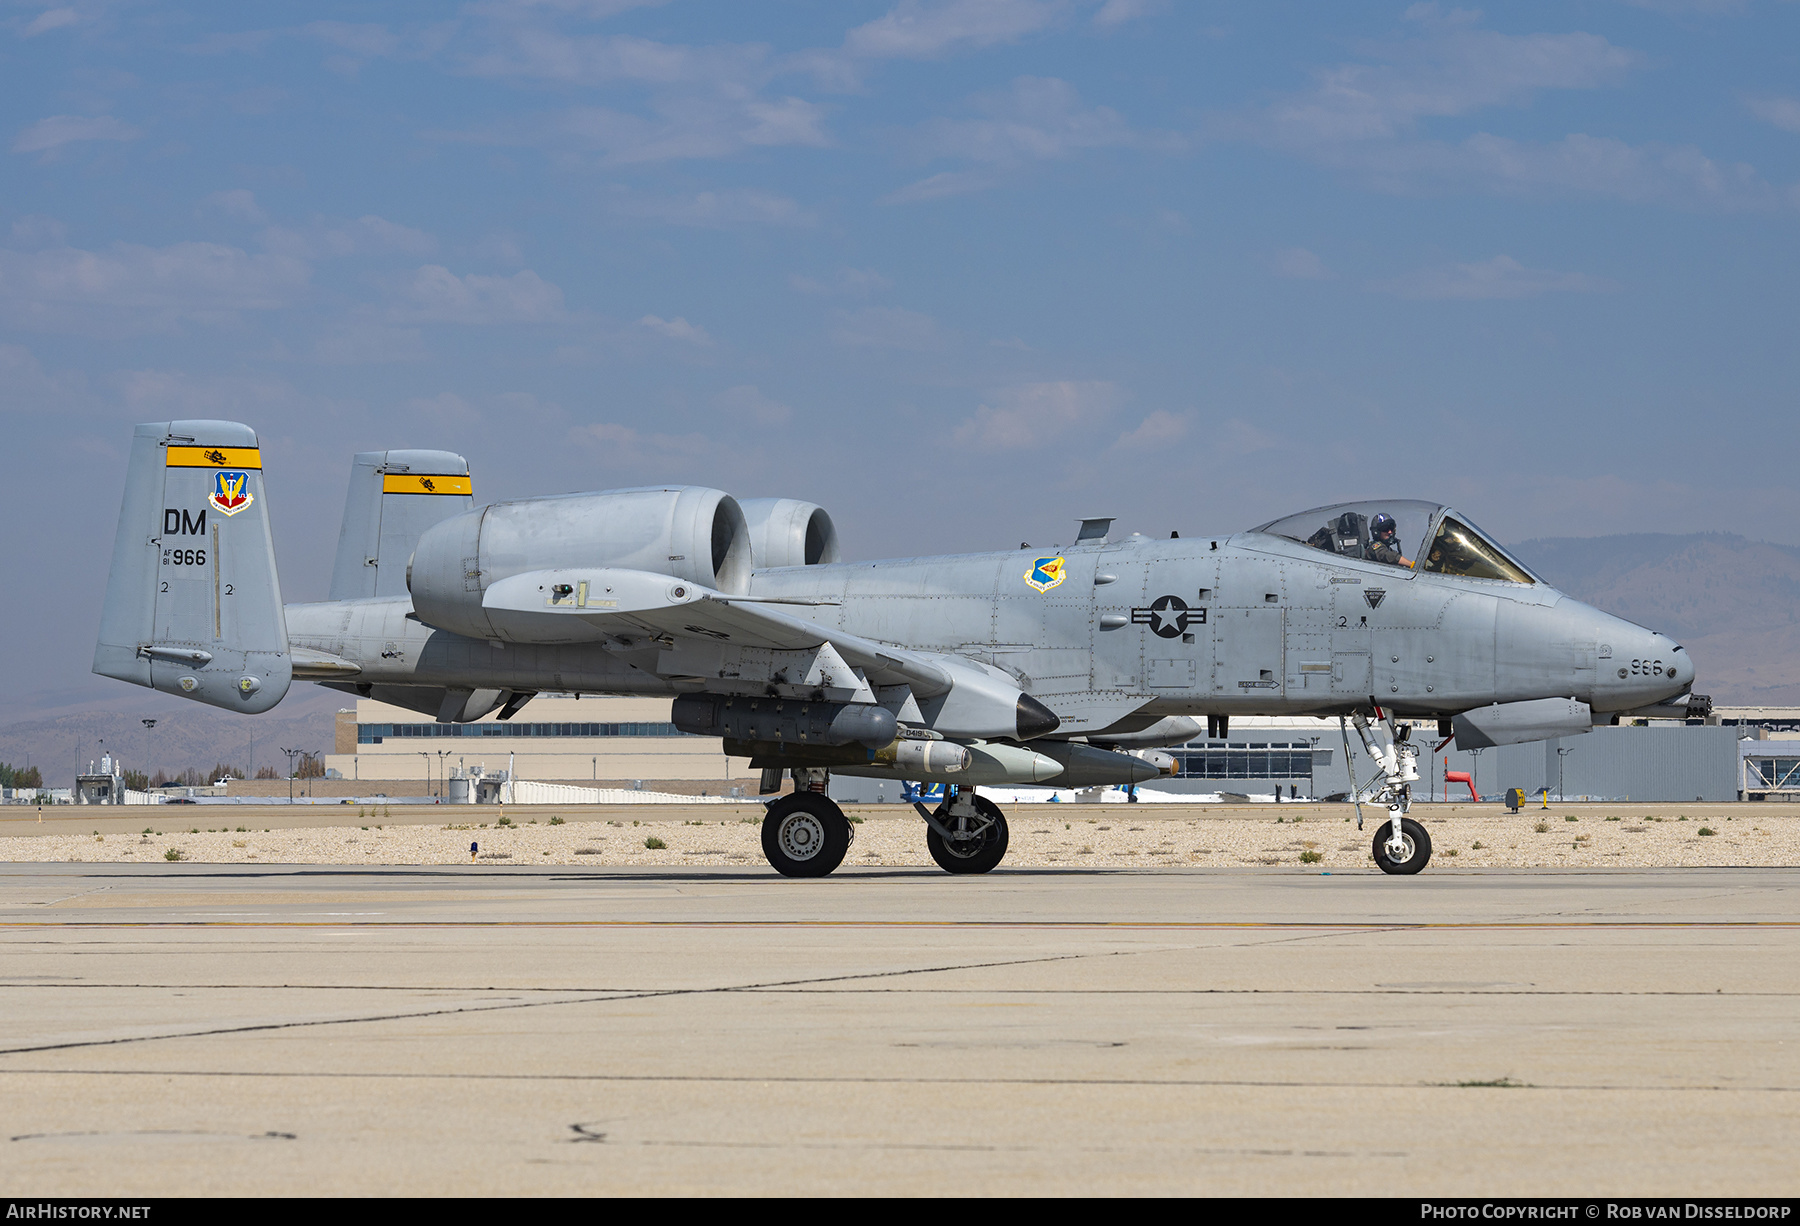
(1066, 667)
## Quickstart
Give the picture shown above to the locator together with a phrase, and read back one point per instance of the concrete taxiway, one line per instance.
(177, 1029)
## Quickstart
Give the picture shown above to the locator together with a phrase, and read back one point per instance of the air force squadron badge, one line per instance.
(230, 492)
(1045, 573)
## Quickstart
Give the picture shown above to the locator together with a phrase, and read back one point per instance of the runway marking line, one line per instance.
(1029, 925)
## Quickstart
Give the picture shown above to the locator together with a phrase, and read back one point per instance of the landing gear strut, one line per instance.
(1401, 845)
(805, 834)
(967, 832)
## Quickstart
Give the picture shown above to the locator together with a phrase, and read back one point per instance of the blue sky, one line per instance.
(960, 270)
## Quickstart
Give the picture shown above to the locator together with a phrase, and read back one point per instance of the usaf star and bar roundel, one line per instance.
(1168, 616)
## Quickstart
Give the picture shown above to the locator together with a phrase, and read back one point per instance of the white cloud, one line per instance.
(848, 282)
(1576, 165)
(1118, 12)
(727, 209)
(369, 235)
(1500, 277)
(676, 329)
(1299, 264)
(691, 125)
(435, 294)
(362, 341)
(175, 393)
(538, 53)
(1237, 437)
(1784, 113)
(622, 446)
(886, 328)
(50, 19)
(59, 130)
(36, 230)
(31, 390)
(1452, 70)
(1037, 119)
(1367, 118)
(1159, 429)
(915, 30)
(64, 286)
(747, 401)
(1033, 415)
(238, 204)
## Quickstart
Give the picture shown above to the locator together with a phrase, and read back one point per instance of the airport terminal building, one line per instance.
(553, 739)
(1743, 753)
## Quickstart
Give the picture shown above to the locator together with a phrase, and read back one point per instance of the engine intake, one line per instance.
(788, 532)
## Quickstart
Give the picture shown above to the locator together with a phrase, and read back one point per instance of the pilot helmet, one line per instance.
(1381, 525)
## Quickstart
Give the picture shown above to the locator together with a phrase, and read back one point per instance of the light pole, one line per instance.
(442, 754)
(1310, 763)
(1474, 773)
(291, 753)
(427, 758)
(1561, 753)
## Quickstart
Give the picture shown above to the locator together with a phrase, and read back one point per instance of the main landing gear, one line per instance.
(805, 834)
(1401, 845)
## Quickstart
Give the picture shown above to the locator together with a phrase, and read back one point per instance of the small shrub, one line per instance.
(653, 843)
(1707, 830)
(1477, 845)
(174, 853)
(504, 821)
(556, 821)
(1566, 818)
(1310, 857)
(1449, 851)
(1542, 827)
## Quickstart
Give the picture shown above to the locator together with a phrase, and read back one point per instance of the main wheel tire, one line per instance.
(977, 855)
(805, 834)
(1418, 848)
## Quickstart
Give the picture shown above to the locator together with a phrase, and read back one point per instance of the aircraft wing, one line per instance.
(625, 606)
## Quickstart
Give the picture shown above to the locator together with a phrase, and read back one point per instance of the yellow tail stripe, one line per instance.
(214, 457)
(424, 483)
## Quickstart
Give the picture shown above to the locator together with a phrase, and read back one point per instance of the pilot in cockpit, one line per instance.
(1384, 543)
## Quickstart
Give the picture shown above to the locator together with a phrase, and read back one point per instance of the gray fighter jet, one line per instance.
(1065, 667)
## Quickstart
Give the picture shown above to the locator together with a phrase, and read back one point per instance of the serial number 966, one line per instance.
(184, 557)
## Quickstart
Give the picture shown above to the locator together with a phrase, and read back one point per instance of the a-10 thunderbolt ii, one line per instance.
(1065, 667)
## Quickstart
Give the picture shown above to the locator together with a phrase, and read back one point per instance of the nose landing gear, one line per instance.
(967, 833)
(1415, 848)
(1401, 845)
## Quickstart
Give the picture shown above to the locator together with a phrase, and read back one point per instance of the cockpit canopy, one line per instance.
(1425, 536)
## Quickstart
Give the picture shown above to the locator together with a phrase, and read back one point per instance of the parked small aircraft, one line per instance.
(1066, 666)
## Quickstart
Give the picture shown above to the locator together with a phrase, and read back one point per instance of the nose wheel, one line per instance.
(976, 831)
(1415, 844)
(805, 834)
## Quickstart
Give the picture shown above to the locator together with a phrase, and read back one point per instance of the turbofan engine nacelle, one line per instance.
(788, 532)
(690, 533)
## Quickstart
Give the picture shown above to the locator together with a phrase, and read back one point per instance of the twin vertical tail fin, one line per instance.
(394, 496)
(193, 605)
